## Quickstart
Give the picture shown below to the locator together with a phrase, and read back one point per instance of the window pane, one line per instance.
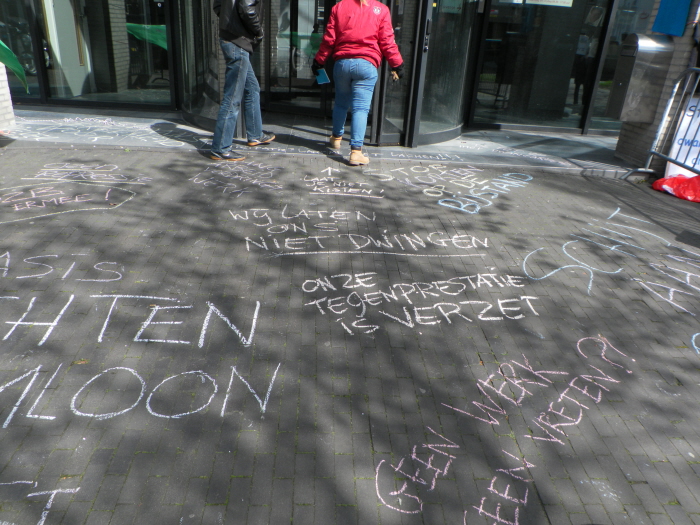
(297, 31)
(632, 17)
(403, 21)
(108, 50)
(539, 61)
(14, 33)
(448, 50)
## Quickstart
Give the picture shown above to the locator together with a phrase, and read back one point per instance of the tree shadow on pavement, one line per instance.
(290, 343)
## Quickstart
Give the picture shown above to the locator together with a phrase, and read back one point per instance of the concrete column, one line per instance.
(7, 115)
(637, 139)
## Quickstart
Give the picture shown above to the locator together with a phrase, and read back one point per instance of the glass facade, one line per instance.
(15, 34)
(524, 62)
(97, 50)
(446, 72)
(403, 17)
(541, 61)
(296, 31)
(199, 60)
(633, 16)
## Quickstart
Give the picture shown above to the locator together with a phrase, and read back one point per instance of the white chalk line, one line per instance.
(77, 412)
(377, 253)
(48, 383)
(202, 376)
(344, 195)
(94, 183)
(114, 207)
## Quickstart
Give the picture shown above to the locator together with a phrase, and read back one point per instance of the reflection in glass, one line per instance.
(297, 30)
(108, 50)
(395, 100)
(539, 61)
(447, 65)
(632, 17)
(199, 40)
(14, 32)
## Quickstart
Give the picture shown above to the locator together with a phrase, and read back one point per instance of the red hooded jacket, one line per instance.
(357, 30)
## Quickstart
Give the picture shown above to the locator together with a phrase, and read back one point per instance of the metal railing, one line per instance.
(677, 138)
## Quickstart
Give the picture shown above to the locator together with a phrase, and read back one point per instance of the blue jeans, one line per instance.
(354, 84)
(240, 85)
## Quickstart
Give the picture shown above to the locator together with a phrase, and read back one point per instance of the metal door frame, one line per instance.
(416, 82)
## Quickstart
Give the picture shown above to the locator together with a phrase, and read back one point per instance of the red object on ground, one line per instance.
(687, 188)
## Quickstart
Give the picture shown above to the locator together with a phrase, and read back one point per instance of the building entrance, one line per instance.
(551, 62)
(479, 63)
(425, 106)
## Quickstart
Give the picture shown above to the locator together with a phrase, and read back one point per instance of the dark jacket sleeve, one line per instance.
(251, 13)
(217, 7)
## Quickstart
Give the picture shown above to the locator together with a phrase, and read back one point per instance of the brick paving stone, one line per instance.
(303, 514)
(214, 514)
(648, 498)
(597, 514)
(123, 515)
(105, 499)
(98, 517)
(678, 515)
(557, 514)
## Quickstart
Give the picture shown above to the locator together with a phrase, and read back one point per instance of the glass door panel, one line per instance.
(448, 52)
(633, 16)
(538, 61)
(15, 34)
(434, 38)
(108, 50)
(395, 94)
(297, 27)
(197, 28)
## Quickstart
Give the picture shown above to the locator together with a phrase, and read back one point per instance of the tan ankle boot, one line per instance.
(357, 158)
(334, 142)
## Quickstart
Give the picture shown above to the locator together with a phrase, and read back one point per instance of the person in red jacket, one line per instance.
(358, 35)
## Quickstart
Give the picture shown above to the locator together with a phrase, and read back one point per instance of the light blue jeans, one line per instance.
(354, 84)
(240, 85)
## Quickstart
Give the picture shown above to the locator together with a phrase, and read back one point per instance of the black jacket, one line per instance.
(240, 21)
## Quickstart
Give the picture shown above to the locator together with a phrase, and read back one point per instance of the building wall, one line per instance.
(635, 139)
(7, 115)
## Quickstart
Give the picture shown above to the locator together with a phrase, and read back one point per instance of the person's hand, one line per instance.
(315, 66)
(397, 73)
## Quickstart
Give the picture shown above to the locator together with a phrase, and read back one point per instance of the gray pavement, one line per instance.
(475, 339)
(302, 135)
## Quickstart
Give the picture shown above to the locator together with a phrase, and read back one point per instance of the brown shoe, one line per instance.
(357, 158)
(334, 142)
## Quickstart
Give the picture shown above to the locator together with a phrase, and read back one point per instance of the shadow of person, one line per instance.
(5, 139)
(177, 133)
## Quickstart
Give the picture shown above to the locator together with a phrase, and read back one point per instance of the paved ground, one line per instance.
(289, 339)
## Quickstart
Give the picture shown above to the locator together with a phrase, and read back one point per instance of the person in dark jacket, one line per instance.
(240, 29)
(358, 35)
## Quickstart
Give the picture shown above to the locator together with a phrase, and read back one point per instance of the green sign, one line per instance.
(154, 34)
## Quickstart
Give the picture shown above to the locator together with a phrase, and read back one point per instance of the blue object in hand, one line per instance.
(322, 77)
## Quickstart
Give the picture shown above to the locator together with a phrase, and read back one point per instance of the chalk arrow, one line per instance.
(329, 170)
